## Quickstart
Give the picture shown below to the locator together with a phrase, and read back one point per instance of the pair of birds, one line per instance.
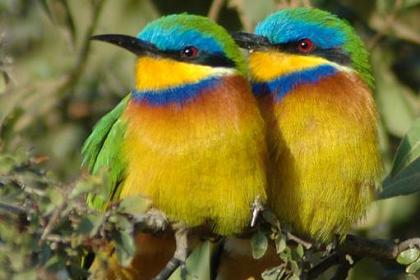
(203, 141)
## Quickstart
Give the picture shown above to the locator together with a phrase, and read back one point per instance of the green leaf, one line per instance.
(275, 273)
(396, 111)
(6, 164)
(125, 247)
(408, 150)
(84, 186)
(300, 251)
(410, 277)
(405, 173)
(295, 268)
(89, 225)
(408, 256)
(259, 244)
(414, 267)
(198, 264)
(122, 223)
(406, 182)
(271, 218)
(280, 243)
(55, 199)
(294, 277)
(286, 255)
(134, 205)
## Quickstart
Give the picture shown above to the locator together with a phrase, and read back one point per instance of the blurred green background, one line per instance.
(55, 83)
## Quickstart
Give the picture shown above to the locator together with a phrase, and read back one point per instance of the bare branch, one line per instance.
(362, 247)
(358, 247)
(215, 8)
(170, 267)
(85, 49)
(12, 208)
(306, 244)
(180, 255)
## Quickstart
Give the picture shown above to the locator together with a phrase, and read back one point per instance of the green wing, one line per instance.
(102, 150)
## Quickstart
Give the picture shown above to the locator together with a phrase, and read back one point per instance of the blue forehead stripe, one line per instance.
(175, 95)
(281, 86)
(177, 38)
(284, 30)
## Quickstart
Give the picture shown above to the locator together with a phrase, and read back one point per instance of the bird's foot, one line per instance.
(155, 219)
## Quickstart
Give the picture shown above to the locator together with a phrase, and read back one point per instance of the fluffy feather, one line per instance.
(189, 137)
(324, 155)
(326, 30)
(209, 152)
(322, 123)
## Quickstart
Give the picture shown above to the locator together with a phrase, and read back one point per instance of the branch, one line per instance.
(180, 255)
(358, 248)
(12, 208)
(170, 267)
(215, 8)
(85, 49)
(306, 244)
(378, 249)
(386, 25)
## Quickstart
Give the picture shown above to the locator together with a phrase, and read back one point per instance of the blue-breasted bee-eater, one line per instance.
(189, 136)
(312, 76)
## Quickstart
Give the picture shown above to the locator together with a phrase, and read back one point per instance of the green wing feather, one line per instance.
(102, 150)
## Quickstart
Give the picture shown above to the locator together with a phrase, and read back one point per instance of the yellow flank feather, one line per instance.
(324, 152)
(161, 73)
(268, 65)
(201, 161)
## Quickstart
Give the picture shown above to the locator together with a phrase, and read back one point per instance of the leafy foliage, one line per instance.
(47, 229)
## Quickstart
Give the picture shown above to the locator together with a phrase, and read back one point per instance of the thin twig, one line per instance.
(359, 246)
(52, 222)
(85, 49)
(12, 208)
(215, 8)
(180, 255)
(170, 267)
(246, 22)
(307, 245)
(389, 20)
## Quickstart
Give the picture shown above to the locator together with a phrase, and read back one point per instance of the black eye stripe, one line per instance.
(203, 58)
(333, 54)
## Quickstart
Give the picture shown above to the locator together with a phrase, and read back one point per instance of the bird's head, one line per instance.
(180, 49)
(300, 41)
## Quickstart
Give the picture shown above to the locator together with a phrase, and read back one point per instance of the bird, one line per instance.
(311, 74)
(189, 136)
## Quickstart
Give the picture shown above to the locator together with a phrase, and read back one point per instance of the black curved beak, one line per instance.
(251, 41)
(132, 44)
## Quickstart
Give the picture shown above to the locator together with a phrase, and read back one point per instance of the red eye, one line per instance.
(305, 46)
(189, 52)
